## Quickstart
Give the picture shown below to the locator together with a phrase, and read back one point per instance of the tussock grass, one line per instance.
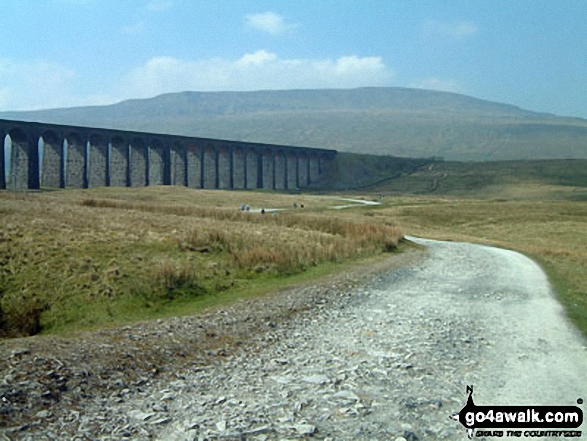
(84, 258)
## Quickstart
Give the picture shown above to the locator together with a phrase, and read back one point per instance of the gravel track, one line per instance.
(394, 358)
(387, 358)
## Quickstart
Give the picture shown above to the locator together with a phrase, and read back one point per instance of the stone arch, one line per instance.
(119, 162)
(178, 164)
(291, 169)
(24, 159)
(303, 170)
(139, 163)
(194, 165)
(252, 168)
(239, 170)
(158, 163)
(313, 167)
(3, 160)
(210, 166)
(76, 163)
(225, 165)
(280, 169)
(17, 134)
(267, 169)
(53, 162)
(98, 172)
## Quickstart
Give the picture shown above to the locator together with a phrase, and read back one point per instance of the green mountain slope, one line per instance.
(385, 121)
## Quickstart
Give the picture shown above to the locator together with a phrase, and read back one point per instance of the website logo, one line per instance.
(513, 418)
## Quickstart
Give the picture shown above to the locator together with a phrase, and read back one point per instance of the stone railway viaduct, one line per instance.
(83, 157)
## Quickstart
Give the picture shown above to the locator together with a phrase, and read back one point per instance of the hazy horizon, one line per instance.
(70, 53)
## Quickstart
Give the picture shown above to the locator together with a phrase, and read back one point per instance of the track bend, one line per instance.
(387, 360)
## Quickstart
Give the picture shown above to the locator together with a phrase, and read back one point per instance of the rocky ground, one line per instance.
(377, 354)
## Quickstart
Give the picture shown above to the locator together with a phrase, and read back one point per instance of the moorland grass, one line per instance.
(76, 259)
(80, 259)
(560, 179)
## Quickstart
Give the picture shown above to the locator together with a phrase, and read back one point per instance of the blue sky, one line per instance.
(62, 53)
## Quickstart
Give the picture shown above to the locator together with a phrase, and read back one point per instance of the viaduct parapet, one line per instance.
(53, 155)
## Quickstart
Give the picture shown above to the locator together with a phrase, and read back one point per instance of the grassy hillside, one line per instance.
(352, 171)
(547, 179)
(386, 121)
(539, 179)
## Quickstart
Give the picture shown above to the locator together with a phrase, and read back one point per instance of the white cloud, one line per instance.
(256, 58)
(135, 29)
(434, 83)
(159, 5)
(5, 98)
(461, 29)
(34, 84)
(269, 22)
(260, 70)
(41, 84)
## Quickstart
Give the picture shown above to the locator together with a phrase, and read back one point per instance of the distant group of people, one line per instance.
(246, 207)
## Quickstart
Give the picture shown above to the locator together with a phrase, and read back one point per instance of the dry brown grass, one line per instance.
(86, 257)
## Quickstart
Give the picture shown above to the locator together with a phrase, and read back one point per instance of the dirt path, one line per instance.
(393, 359)
(354, 203)
(387, 359)
(534, 354)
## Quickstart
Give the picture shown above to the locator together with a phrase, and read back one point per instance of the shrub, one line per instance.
(21, 316)
(176, 279)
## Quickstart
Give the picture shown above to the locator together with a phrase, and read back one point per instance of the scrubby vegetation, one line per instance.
(83, 258)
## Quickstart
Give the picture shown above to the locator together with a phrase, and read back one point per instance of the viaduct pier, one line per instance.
(62, 156)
